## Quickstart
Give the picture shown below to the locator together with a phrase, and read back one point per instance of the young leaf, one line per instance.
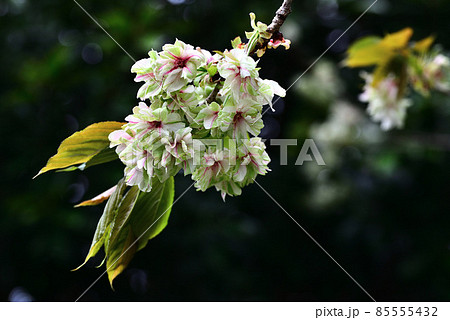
(83, 146)
(375, 51)
(424, 45)
(98, 199)
(236, 42)
(365, 52)
(364, 43)
(397, 40)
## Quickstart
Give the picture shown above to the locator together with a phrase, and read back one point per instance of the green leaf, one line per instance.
(83, 146)
(104, 224)
(121, 218)
(106, 155)
(121, 255)
(121, 244)
(129, 220)
(141, 216)
(152, 210)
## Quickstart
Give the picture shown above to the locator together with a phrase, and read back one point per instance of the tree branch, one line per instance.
(275, 25)
(273, 28)
(213, 94)
(280, 16)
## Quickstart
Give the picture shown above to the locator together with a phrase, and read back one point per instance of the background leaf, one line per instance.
(376, 51)
(397, 40)
(424, 44)
(364, 52)
(83, 146)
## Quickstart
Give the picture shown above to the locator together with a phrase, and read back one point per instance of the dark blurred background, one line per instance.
(380, 206)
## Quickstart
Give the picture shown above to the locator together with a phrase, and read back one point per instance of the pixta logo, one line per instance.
(308, 148)
(228, 150)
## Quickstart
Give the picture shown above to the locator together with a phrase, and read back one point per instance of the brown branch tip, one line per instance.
(280, 16)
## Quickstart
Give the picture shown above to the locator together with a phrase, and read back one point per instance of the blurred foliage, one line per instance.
(380, 207)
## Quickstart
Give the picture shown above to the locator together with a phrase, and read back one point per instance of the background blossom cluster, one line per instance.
(190, 96)
(400, 65)
(386, 101)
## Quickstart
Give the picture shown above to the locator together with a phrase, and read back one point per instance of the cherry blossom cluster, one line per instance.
(385, 105)
(190, 96)
(386, 99)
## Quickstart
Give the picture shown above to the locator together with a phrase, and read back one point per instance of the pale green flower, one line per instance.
(140, 178)
(385, 105)
(139, 166)
(182, 99)
(120, 138)
(436, 72)
(209, 116)
(177, 65)
(147, 121)
(240, 73)
(267, 90)
(213, 169)
(178, 145)
(145, 71)
(240, 118)
(252, 160)
(228, 187)
(186, 101)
